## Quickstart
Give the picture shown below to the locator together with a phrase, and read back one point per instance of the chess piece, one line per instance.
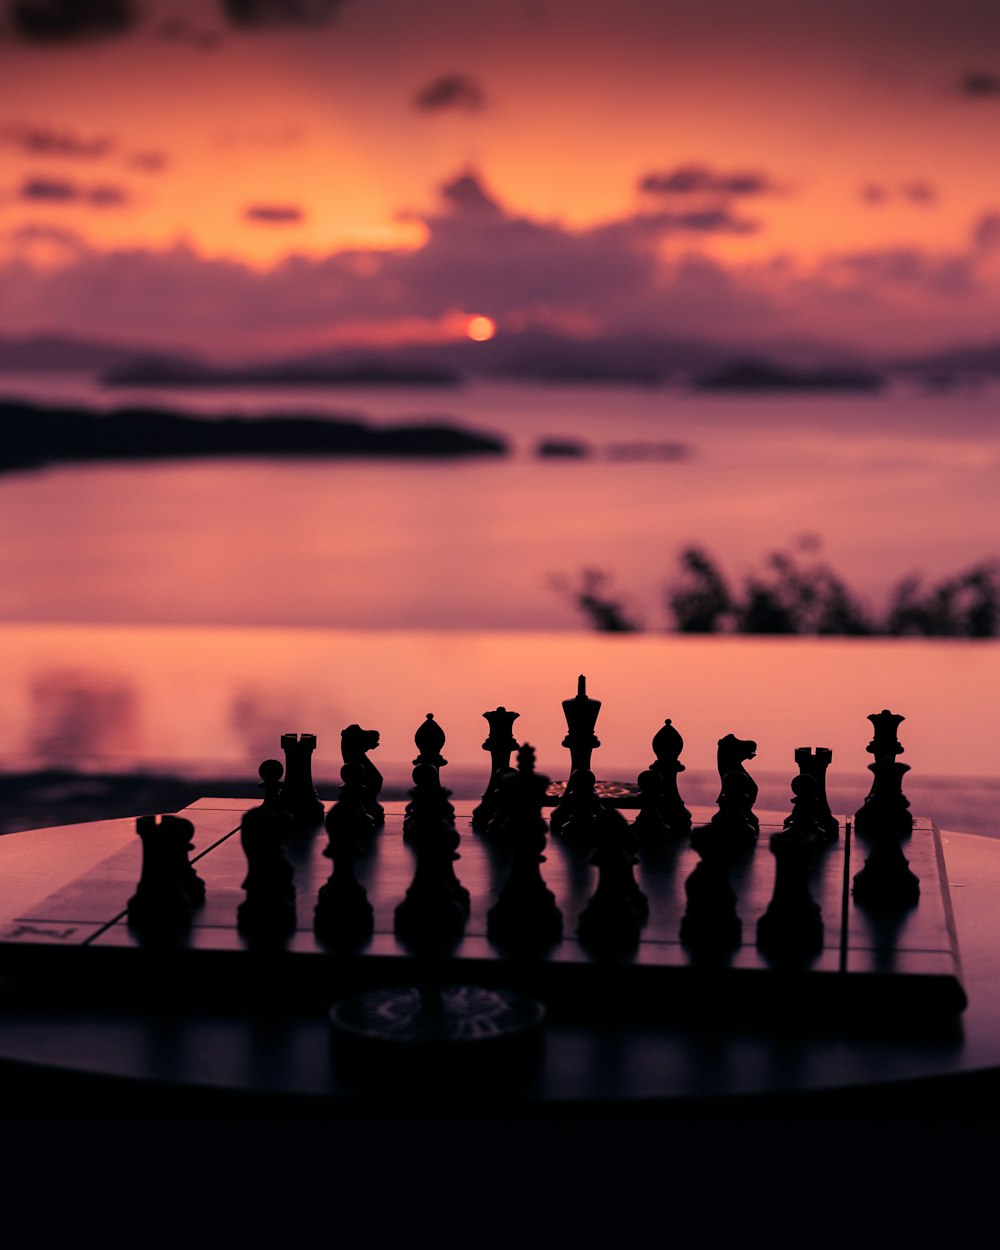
(581, 809)
(792, 926)
(436, 906)
(349, 814)
(169, 887)
(886, 807)
(355, 743)
(298, 792)
(343, 915)
(734, 823)
(500, 743)
(667, 747)
(429, 739)
(886, 882)
(581, 717)
(731, 754)
(651, 825)
(814, 764)
(525, 916)
(618, 908)
(710, 923)
(269, 907)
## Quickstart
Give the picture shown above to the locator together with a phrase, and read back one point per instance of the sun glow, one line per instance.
(479, 328)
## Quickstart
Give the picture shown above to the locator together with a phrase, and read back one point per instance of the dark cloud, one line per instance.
(905, 267)
(919, 192)
(66, 21)
(450, 91)
(63, 191)
(177, 30)
(45, 141)
(40, 232)
(274, 214)
(986, 233)
(260, 13)
(980, 85)
(465, 195)
(702, 180)
(148, 162)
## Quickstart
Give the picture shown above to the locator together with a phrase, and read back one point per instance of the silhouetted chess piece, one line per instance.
(792, 926)
(730, 757)
(343, 914)
(269, 907)
(615, 913)
(735, 823)
(886, 882)
(169, 888)
(501, 744)
(651, 825)
(355, 743)
(581, 718)
(525, 915)
(814, 764)
(582, 809)
(349, 816)
(710, 923)
(429, 739)
(436, 905)
(298, 792)
(667, 747)
(886, 807)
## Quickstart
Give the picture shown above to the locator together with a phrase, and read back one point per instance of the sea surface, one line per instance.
(904, 483)
(179, 616)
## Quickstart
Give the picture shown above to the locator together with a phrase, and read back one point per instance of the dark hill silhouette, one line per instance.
(32, 436)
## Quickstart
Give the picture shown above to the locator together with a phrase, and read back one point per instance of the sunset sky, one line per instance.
(256, 175)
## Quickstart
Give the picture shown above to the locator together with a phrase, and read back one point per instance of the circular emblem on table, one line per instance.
(451, 1035)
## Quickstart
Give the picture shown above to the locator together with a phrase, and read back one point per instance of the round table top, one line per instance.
(286, 1054)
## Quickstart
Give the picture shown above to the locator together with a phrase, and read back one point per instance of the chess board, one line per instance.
(906, 960)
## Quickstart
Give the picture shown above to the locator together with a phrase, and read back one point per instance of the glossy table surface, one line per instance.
(283, 1053)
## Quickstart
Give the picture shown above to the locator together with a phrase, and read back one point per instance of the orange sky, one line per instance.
(190, 131)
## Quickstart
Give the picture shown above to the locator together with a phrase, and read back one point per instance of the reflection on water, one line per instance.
(81, 715)
(206, 702)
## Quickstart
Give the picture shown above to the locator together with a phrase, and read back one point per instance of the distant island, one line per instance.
(167, 371)
(762, 375)
(32, 436)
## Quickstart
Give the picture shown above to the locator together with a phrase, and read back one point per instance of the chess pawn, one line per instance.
(298, 792)
(730, 757)
(618, 908)
(792, 926)
(814, 764)
(525, 916)
(436, 906)
(355, 743)
(350, 813)
(807, 815)
(269, 907)
(667, 747)
(343, 914)
(169, 887)
(500, 743)
(650, 824)
(581, 809)
(710, 923)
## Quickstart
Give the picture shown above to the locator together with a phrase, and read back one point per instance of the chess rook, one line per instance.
(169, 888)
(298, 792)
(814, 763)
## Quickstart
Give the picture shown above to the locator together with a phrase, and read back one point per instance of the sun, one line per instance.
(479, 328)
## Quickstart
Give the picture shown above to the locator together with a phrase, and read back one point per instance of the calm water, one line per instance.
(892, 485)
